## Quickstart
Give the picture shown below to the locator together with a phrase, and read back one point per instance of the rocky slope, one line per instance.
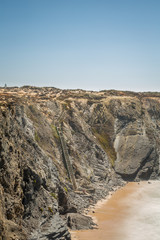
(109, 137)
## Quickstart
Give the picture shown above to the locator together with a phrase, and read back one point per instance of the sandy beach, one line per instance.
(110, 214)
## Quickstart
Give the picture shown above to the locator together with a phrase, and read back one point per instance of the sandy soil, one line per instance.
(109, 215)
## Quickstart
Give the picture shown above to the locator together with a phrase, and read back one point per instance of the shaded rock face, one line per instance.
(110, 137)
(133, 153)
(136, 141)
(78, 221)
(29, 181)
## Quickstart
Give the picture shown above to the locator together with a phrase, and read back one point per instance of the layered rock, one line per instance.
(110, 137)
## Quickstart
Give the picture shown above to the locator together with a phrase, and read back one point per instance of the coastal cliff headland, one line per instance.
(63, 150)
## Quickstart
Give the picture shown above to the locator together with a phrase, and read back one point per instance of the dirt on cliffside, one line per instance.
(106, 137)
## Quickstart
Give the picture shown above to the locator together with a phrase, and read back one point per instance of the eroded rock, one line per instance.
(110, 136)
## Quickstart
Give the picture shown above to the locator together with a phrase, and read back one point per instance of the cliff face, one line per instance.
(109, 137)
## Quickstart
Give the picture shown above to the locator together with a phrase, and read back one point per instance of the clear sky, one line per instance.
(88, 44)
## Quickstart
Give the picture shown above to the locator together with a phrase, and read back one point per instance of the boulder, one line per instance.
(79, 221)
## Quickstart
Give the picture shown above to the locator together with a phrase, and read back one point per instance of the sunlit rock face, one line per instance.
(110, 137)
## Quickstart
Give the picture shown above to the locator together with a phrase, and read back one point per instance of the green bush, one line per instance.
(36, 136)
(65, 189)
(54, 195)
(54, 131)
(50, 209)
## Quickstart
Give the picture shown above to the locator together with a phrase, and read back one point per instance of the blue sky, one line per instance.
(88, 44)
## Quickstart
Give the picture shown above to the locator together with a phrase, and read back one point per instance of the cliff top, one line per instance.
(11, 95)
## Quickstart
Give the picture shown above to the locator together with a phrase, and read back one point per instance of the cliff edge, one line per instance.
(62, 150)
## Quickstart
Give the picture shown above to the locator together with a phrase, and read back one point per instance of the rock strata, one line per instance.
(110, 137)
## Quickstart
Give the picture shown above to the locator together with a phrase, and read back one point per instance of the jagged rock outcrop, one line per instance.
(109, 136)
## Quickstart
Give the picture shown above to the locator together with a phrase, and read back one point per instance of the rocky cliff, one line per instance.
(62, 150)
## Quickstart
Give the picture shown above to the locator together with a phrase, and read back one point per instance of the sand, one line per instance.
(110, 215)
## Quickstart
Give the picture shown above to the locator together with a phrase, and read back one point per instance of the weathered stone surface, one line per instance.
(78, 221)
(132, 152)
(110, 136)
(51, 229)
